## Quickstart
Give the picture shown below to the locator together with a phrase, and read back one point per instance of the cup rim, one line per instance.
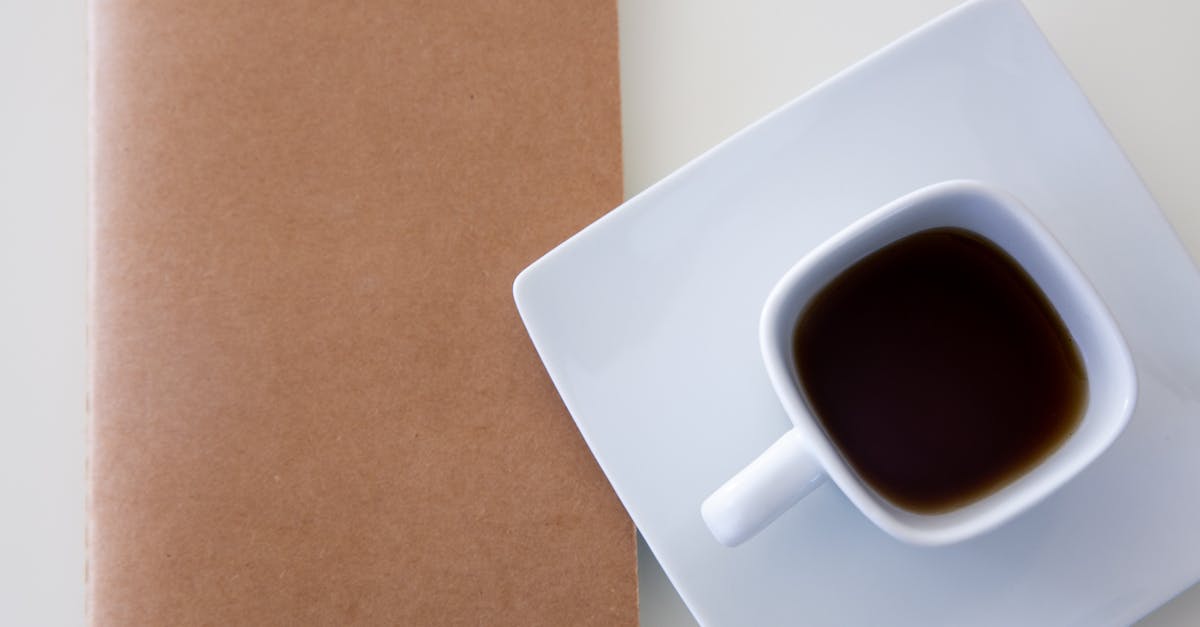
(821, 265)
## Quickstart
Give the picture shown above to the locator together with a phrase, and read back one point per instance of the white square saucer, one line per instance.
(647, 322)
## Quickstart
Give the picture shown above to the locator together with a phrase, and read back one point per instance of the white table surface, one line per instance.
(693, 72)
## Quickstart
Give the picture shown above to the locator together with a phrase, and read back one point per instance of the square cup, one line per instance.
(804, 456)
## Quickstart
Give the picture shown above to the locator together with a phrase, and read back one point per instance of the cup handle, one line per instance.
(781, 476)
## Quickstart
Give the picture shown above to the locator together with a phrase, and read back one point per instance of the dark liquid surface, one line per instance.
(939, 369)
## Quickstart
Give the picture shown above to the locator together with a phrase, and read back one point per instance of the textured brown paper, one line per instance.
(313, 401)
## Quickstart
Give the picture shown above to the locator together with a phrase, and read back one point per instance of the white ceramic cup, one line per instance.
(804, 456)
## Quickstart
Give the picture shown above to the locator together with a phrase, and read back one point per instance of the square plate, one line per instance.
(648, 324)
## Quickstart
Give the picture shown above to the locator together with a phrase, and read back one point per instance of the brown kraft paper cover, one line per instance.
(313, 401)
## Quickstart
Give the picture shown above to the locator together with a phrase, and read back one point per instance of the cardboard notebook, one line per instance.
(313, 402)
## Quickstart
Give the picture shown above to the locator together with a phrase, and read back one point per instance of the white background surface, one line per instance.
(693, 72)
(42, 302)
